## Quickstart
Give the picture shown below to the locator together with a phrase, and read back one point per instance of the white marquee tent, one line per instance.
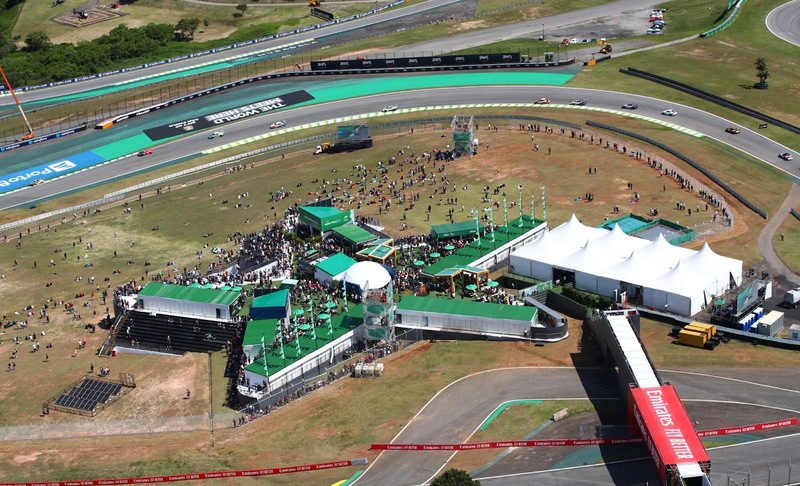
(680, 291)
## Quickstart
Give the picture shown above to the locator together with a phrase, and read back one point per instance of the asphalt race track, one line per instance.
(748, 141)
(460, 408)
(784, 22)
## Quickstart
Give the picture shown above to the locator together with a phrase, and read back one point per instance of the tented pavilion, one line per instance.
(384, 254)
(333, 268)
(274, 305)
(465, 271)
(322, 218)
(352, 235)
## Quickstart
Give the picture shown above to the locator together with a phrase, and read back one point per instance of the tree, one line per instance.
(186, 28)
(37, 41)
(242, 7)
(761, 72)
(455, 477)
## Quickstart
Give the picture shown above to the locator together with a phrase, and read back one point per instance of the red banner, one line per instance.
(571, 442)
(747, 428)
(198, 476)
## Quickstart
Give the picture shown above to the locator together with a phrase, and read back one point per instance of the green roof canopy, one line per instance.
(190, 294)
(380, 251)
(323, 218)
(452, 230)
(256, 329)
(354, 234)
(468, 308)
(475, 250)
(274, 299)
(336, 264)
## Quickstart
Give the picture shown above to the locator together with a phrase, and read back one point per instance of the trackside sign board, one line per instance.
(666, 428)
(203, 122)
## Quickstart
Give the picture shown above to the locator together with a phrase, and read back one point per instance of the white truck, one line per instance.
(792, 298)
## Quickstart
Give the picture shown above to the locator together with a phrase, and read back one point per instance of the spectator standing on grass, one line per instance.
(188, 393)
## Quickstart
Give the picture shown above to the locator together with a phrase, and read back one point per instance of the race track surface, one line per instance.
(784, 22)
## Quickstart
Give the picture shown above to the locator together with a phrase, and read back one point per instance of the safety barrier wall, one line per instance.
(686, 159)
(727, 22)
(33, 141)
(795, 214)
(709, 97)
(211, 51)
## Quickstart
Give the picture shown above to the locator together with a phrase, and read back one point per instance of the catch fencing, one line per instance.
(780, 473)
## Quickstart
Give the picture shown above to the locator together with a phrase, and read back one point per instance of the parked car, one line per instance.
(565, 41)
(145, 152)
(542, 101)
(278, 124)
(630, 106)
(669, 112)
(732, 130)
(573, 41)
(653, 30)
(578, 102)
(217, 134)
(786, 156)
(389, 109)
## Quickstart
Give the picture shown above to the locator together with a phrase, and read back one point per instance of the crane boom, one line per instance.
(27, 123)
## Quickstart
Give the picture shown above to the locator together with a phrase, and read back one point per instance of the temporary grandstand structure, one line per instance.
(183, 300)
(333, 268)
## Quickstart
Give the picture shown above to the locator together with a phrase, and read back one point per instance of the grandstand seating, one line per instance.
(172, 334)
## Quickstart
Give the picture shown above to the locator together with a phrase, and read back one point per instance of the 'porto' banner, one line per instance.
(571, 442)
(193, 477)
(208, 121)
(412, 62)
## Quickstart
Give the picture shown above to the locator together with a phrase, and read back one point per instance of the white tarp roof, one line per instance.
(619, 244)
(589, 260)
(632, 349)
(637, 269)
(547, 250)
(681, 281)
(573, 233)
(662, 249)
(363, 272)
(706, 261)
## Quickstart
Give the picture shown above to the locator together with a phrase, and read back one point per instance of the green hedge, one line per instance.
(592, 301)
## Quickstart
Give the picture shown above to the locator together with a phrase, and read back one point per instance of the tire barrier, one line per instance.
(249, 473)
(686, 159)
(728, 22)
(709, 97)
(572, 442)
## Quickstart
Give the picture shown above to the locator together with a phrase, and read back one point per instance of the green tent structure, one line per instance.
(322, 218)
(454, 230)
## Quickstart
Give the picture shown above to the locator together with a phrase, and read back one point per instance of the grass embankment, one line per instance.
(787, 248)
(722, 64)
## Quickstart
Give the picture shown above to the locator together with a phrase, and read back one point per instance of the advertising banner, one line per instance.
(29, 177)
(220, 118)
(36, 140)
(412, 62)
(197, 476)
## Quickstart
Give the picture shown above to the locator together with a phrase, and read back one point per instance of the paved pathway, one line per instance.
(776, 265)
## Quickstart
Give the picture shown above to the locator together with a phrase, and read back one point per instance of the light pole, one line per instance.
(542, 31)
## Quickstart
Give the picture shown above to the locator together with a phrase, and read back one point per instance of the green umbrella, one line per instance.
(225, 287)
(435, 255)
(471, 287)
(298, 312)
(305, 327)
(208, 286)
(720, 302)
(324, 317)
(329, 305)
(493, 284)
(419, 263)
(449, 247)
(195, 285)
(237, 289)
